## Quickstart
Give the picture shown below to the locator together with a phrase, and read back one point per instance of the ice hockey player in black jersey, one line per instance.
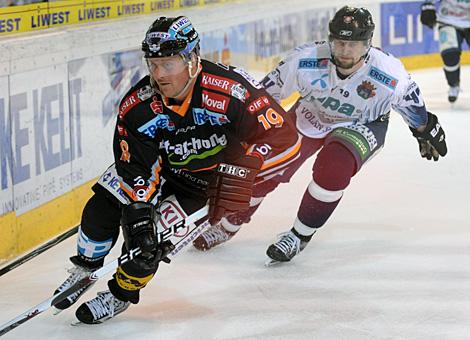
(191, 131)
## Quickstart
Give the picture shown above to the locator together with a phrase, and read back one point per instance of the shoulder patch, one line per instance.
(145, 92)
(129, 102)
(248, 77)
(383, 78)
(224, 85)
(366, 90)
(258, 104)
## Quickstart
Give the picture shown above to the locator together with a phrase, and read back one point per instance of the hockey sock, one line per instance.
(451, 59)
(332, 173)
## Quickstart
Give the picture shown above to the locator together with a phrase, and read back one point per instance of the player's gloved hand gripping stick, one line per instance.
(178, 229)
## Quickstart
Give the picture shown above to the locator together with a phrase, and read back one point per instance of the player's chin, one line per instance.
(166, 89)
(345, 63)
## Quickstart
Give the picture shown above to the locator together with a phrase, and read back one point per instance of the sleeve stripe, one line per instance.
(283, 157)
(154, 181)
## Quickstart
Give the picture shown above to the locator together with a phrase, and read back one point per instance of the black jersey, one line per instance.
(227, 114)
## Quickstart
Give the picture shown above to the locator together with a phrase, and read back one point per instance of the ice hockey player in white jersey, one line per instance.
(453, 19)
(347, 89)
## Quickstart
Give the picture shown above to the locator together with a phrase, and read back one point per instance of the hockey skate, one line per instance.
(284, 250)
(453, 93)
(103, 307)
(212, 237)
(77, 273)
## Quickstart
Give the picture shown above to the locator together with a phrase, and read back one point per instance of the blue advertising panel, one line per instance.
(402, 32)
(266, 38)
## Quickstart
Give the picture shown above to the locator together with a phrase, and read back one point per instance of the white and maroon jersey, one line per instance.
(327, 102)
(454, 13)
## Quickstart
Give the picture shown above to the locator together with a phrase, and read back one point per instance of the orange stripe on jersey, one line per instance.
(150, 189)
(130, 193)
(282, 157)
(183, 108)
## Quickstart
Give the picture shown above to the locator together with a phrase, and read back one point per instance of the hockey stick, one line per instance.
(189, 226)
(38, 250)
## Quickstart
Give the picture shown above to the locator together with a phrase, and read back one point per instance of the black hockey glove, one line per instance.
(232, 187)
(432, 141)
(428, 14)
(138, 221)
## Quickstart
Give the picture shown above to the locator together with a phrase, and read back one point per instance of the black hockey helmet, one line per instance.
(170, 36)
(352, 23)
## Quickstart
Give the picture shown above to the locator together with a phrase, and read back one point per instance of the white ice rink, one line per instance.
(393, 262)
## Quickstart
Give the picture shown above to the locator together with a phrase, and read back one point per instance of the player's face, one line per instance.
(170, 74)
(348, 53)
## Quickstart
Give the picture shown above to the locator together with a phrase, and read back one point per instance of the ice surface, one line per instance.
(392, 263)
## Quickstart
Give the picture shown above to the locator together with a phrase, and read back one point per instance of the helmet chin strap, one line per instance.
(191, 76)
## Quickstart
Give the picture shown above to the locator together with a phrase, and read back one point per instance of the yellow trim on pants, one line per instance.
(131, 283)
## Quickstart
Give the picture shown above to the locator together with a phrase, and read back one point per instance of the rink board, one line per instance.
(39, 16)
(57, 105)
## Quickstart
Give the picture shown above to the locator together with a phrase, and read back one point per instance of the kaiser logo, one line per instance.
(215, 102)
(213, 82)
(224, 85)
(128, 104)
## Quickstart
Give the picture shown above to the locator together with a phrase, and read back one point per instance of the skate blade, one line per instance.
(56, 311)
(76, 323)
(272, 263)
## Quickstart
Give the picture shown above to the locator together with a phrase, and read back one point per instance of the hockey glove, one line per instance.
(138, 221)
(428, 14)
(138, 227)
(432, 141)
(231, 189)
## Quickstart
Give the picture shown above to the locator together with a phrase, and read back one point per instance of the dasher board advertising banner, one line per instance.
(43, 138)
(6, 158)
(97, 85)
